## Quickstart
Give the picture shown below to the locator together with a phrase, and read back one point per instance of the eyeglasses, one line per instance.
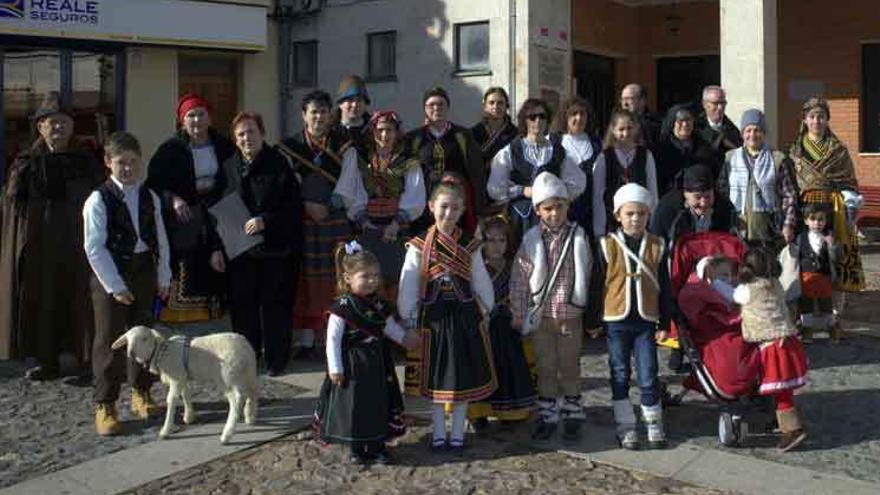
(719, 103)
(536, 116)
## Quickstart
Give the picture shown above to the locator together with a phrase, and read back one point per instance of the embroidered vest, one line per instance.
(616, 176)
(446, 265)
(765, 317)
(523, 172)
(809, 260)
(437, 155)
(121, 234)
(620, 279)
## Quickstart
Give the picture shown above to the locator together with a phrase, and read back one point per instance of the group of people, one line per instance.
(501, 245)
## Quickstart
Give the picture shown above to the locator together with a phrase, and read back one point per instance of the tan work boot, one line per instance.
(106, 423)
(792, 431)
(835, 333)
(142, 405)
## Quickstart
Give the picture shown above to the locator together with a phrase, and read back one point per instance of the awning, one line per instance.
(184, 23)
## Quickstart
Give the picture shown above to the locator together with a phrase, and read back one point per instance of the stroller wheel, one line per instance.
(727, 430)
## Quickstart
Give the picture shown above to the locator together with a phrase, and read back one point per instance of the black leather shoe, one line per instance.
(40, 373)
(544, 430)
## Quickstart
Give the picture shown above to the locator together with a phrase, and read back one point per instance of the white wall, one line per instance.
(151, 95)
(259, 84)
(425, 57)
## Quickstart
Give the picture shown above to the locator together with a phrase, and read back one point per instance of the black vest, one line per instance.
(616, 176)
(121, 234)
(811, 262)
(523, 172)
(439, 155)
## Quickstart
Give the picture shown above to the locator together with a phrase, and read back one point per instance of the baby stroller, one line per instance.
(724, 368)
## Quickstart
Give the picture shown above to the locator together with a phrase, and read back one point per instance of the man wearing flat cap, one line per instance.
(44, 275)
(695, 208)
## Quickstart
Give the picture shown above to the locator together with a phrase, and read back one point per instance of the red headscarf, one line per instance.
(189, 101)
(384, 115)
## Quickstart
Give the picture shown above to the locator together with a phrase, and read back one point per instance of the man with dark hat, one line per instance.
(352, 101)
(44, 275)
(694, 208)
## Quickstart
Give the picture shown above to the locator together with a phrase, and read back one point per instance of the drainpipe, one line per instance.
(511, 9)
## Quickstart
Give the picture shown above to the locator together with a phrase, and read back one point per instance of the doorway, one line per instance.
(214, 78)
(595, 83)
(681, 79)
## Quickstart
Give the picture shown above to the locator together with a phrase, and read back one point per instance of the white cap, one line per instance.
(548, 186)
(633, 193)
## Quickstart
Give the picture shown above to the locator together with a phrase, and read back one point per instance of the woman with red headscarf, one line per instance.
(186, 172)
(384, 192)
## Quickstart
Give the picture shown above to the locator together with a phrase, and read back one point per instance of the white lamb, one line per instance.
(226, 359)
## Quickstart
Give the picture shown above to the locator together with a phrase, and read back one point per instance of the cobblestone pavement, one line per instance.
(297, 465)
(50, 428)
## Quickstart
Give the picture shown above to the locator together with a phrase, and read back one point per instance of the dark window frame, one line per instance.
(457, 47)
(869, 113)
(292, 80)
(391, 76)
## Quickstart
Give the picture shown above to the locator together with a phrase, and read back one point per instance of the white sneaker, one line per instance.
(628, 439)
(653, 417)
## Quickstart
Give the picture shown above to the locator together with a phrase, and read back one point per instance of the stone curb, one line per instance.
(721, 470)
(183, 449)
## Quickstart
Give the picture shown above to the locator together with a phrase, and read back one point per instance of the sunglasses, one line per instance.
(536, 116)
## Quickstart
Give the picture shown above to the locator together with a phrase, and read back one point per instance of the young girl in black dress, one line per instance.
(360, 400)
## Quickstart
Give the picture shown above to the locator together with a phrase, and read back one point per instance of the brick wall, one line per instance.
(820, 47)
(634, 37)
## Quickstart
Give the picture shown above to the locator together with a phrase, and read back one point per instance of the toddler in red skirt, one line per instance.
(767, 322)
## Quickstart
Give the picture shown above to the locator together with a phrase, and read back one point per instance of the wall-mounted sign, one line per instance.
(152, 22)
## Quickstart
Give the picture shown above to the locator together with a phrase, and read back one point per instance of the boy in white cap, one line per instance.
(636, 312)
(548, 292)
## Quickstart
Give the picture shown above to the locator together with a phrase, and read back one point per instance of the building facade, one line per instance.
(768, 54)
(121, 64)
(403, 47)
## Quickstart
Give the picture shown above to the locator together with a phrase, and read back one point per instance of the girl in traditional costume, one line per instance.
(513, 354)
(360, 401)
(625, 159)
(826, 176)
(766, 322)
(445, 291)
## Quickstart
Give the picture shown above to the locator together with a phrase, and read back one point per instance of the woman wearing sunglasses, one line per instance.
(515, 167)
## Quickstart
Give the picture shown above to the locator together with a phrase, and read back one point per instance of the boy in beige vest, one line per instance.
(636, 312)
(549, 283)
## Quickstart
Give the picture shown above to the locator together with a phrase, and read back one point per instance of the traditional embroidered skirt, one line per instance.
(784, 365)
(317, 277)
(515, 395)
(456, 360)
(195, 289)
(816, 285)
(368, 406)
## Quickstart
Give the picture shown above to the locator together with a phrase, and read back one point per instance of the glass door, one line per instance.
(90, 84)
(29, 77)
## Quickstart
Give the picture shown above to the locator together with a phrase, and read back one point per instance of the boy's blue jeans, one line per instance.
(624, 340)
